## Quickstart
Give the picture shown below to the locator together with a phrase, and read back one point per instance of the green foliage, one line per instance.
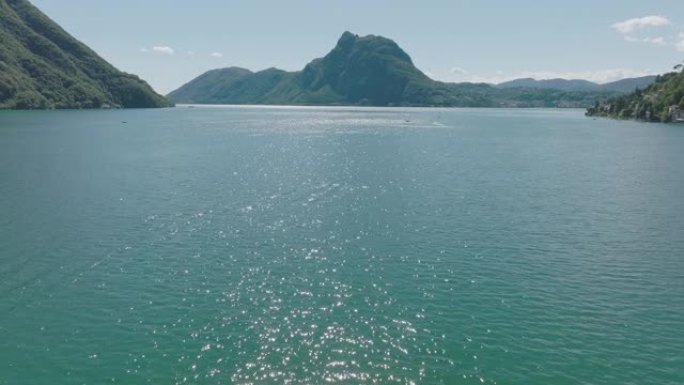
(29, 100)
(8, 85)
(210, 83)
(654, 103)
(42, 66)
(368, 71)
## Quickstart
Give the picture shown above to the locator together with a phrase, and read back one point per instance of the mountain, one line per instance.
(622, 86)
(209, 83)
(656, 103)
(42, 66)
(630, 85)
(369, 70)
(556, 84)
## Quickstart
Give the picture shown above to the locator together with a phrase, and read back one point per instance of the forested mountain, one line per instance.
(662, 101)
(42, 66)
(369, 70)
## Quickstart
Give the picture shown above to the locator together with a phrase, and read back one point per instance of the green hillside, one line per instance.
(655, 103)
(42, 66)
(369, 70)
(209, 83)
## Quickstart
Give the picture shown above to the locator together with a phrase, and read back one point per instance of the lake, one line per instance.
(255, 245)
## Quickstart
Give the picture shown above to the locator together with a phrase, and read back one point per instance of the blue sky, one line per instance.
(169, 42)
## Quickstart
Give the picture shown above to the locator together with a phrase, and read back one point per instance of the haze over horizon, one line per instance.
(169, 43)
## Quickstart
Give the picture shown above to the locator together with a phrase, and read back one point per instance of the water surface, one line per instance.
(351, 246)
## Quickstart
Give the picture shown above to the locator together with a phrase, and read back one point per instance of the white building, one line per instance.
(677, 114)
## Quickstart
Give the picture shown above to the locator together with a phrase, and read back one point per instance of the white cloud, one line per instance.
(657, 40)
(144, 50)
(651, 40)
(163, 50)
(459, 71)
(631, 25)
(216, 54)
(680, 42)
(636, 31)
(190, 53)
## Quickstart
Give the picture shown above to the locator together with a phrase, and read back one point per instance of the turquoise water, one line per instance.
(350, 246)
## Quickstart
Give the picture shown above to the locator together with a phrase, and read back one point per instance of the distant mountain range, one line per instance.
(624, 85)
(42, 66)
(375, 71)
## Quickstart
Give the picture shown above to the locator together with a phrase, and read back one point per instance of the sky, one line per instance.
(170, 42)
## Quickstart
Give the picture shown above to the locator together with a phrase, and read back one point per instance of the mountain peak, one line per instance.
(369, 69)
(347, 39)
(350, 44)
